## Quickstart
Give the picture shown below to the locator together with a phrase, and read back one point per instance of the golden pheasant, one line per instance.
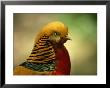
(49, 56)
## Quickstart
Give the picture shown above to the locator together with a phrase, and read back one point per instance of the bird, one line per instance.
(49, 56)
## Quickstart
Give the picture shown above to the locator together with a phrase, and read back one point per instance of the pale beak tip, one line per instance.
(69, 38)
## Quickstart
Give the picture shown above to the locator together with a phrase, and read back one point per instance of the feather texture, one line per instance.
(42, 52)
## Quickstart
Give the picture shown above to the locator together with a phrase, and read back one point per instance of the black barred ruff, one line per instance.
(42, 52)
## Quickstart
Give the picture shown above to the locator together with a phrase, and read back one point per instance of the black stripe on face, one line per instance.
(46, 45)
(44, 50)
(35, 45)
(45, 36)
(41, 47)
(45, 53)
(33, 52)
(38, 48)
(49, 59)
(29, 59)
(32, 56)
(50, 56)
(44, 56)
(41, 59)
(47, 49)
(42, 42)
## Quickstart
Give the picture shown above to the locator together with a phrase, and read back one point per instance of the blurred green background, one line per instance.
(82, 30)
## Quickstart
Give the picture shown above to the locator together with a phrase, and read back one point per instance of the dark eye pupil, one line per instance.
(55, 33)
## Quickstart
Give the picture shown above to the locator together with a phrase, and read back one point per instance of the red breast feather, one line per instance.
(63, 64)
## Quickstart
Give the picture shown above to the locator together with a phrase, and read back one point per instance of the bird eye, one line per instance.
(55, 33)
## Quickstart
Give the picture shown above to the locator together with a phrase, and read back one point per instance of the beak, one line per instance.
(68, 38)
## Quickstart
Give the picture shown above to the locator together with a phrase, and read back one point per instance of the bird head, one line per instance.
(57, 32)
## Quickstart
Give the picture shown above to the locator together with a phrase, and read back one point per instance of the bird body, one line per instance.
(49, 56)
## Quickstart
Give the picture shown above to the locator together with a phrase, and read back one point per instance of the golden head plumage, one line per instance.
(53, 27)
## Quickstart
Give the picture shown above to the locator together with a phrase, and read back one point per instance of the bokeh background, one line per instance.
(82, 30)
